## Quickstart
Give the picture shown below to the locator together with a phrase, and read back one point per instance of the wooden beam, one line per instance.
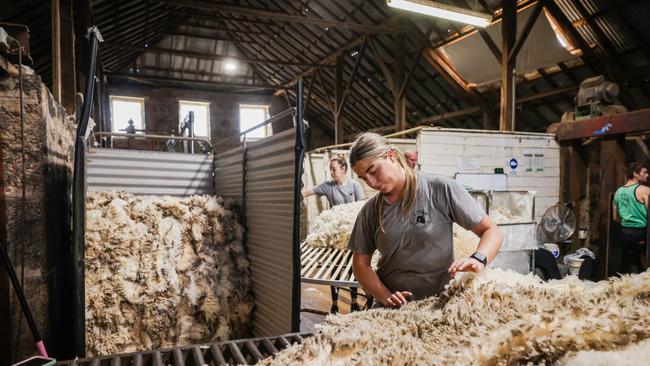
(207, 56)
(332, 56)
(379, 59)
(211, 27)
(338, 97)
(449, 115)
(424, 43)
(309, 92)
(399, 57)
(279, 16)
(509, 34)
(603, 126)
(202, 36)
(526, 31)
(491, 45)
(153, 78)
(346, 91)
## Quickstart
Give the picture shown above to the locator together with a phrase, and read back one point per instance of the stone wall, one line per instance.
(37, 231)
(162, 115)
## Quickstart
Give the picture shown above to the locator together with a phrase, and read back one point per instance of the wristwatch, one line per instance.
(479, 257)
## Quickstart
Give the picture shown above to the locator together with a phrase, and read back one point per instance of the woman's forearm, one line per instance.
(370, 282)
(490, 242)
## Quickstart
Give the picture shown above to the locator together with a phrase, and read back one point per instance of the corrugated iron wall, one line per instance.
(228, 174)
(149, 172)
(269, 212)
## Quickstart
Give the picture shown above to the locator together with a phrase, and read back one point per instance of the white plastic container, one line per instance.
(574, 266)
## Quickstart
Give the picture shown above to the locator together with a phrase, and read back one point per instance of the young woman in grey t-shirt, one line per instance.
(410, 222)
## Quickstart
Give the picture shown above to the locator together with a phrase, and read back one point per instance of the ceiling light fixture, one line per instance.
(230, 65)
(443, 11)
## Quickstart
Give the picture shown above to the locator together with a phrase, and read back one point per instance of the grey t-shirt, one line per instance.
(337, 194)
(416, 248)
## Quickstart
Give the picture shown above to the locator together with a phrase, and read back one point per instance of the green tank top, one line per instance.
(632, 212)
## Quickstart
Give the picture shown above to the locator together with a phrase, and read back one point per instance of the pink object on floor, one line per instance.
(41, 348)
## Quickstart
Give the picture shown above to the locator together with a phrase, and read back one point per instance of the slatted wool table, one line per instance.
(329, 266)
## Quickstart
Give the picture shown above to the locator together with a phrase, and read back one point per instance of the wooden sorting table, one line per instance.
(332, 267)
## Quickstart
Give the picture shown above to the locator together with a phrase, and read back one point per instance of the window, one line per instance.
(124, 109)
(251, 115)
(201, 116)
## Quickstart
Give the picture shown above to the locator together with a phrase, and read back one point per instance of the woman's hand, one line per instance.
(396, 299)
(465, 265)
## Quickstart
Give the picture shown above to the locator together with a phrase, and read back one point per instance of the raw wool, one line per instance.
(632, 355)
(493, 318)
(163, 272)
(466, 242)
(333, 227)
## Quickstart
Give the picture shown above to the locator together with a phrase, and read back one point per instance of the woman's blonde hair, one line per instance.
(373, 146)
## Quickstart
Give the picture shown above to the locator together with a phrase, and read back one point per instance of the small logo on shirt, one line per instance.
(421, 218)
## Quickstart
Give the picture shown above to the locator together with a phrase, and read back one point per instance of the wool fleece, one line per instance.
(162, 272)
(492, 318)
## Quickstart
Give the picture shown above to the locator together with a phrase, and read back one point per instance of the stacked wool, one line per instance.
(163, 272)
(493, 318)
(465, 241)
(334, 226)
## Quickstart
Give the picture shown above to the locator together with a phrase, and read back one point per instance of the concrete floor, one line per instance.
(319, 297)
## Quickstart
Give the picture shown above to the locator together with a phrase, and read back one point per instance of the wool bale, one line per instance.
(162, 272)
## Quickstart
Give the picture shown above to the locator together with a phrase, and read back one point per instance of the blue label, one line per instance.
(513, 163)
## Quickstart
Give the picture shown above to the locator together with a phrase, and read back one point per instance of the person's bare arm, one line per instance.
(642, 193)
(371, 283)
(615, 213)
(489, 244)
(307, 192)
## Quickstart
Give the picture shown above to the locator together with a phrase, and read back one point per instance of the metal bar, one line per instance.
(137, 360)
(217, 356)
(285, 113)
(178, 358)
(299, 157)
(236, 353)
(116, 361)
(79, 203)
(155, 137)
(270, 348)
(253, 351)
(157, 358)
(283, 341)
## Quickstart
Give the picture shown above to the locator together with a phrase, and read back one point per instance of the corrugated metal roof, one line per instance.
(618, 31)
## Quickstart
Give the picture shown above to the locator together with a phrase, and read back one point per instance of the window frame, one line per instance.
(195, 102)
(126, 98)
(268, 129)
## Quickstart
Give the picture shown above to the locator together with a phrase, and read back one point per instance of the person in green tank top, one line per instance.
(630, 209)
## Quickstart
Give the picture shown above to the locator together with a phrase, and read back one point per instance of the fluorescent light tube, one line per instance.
(443, 11)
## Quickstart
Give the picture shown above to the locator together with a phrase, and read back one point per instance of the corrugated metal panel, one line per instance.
(149, 172)
(228, 174)
(269, 215)
(269, 220)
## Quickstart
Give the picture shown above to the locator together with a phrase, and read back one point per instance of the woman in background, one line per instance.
(340, 189)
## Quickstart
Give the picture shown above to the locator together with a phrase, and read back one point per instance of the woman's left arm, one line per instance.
(489, 244)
